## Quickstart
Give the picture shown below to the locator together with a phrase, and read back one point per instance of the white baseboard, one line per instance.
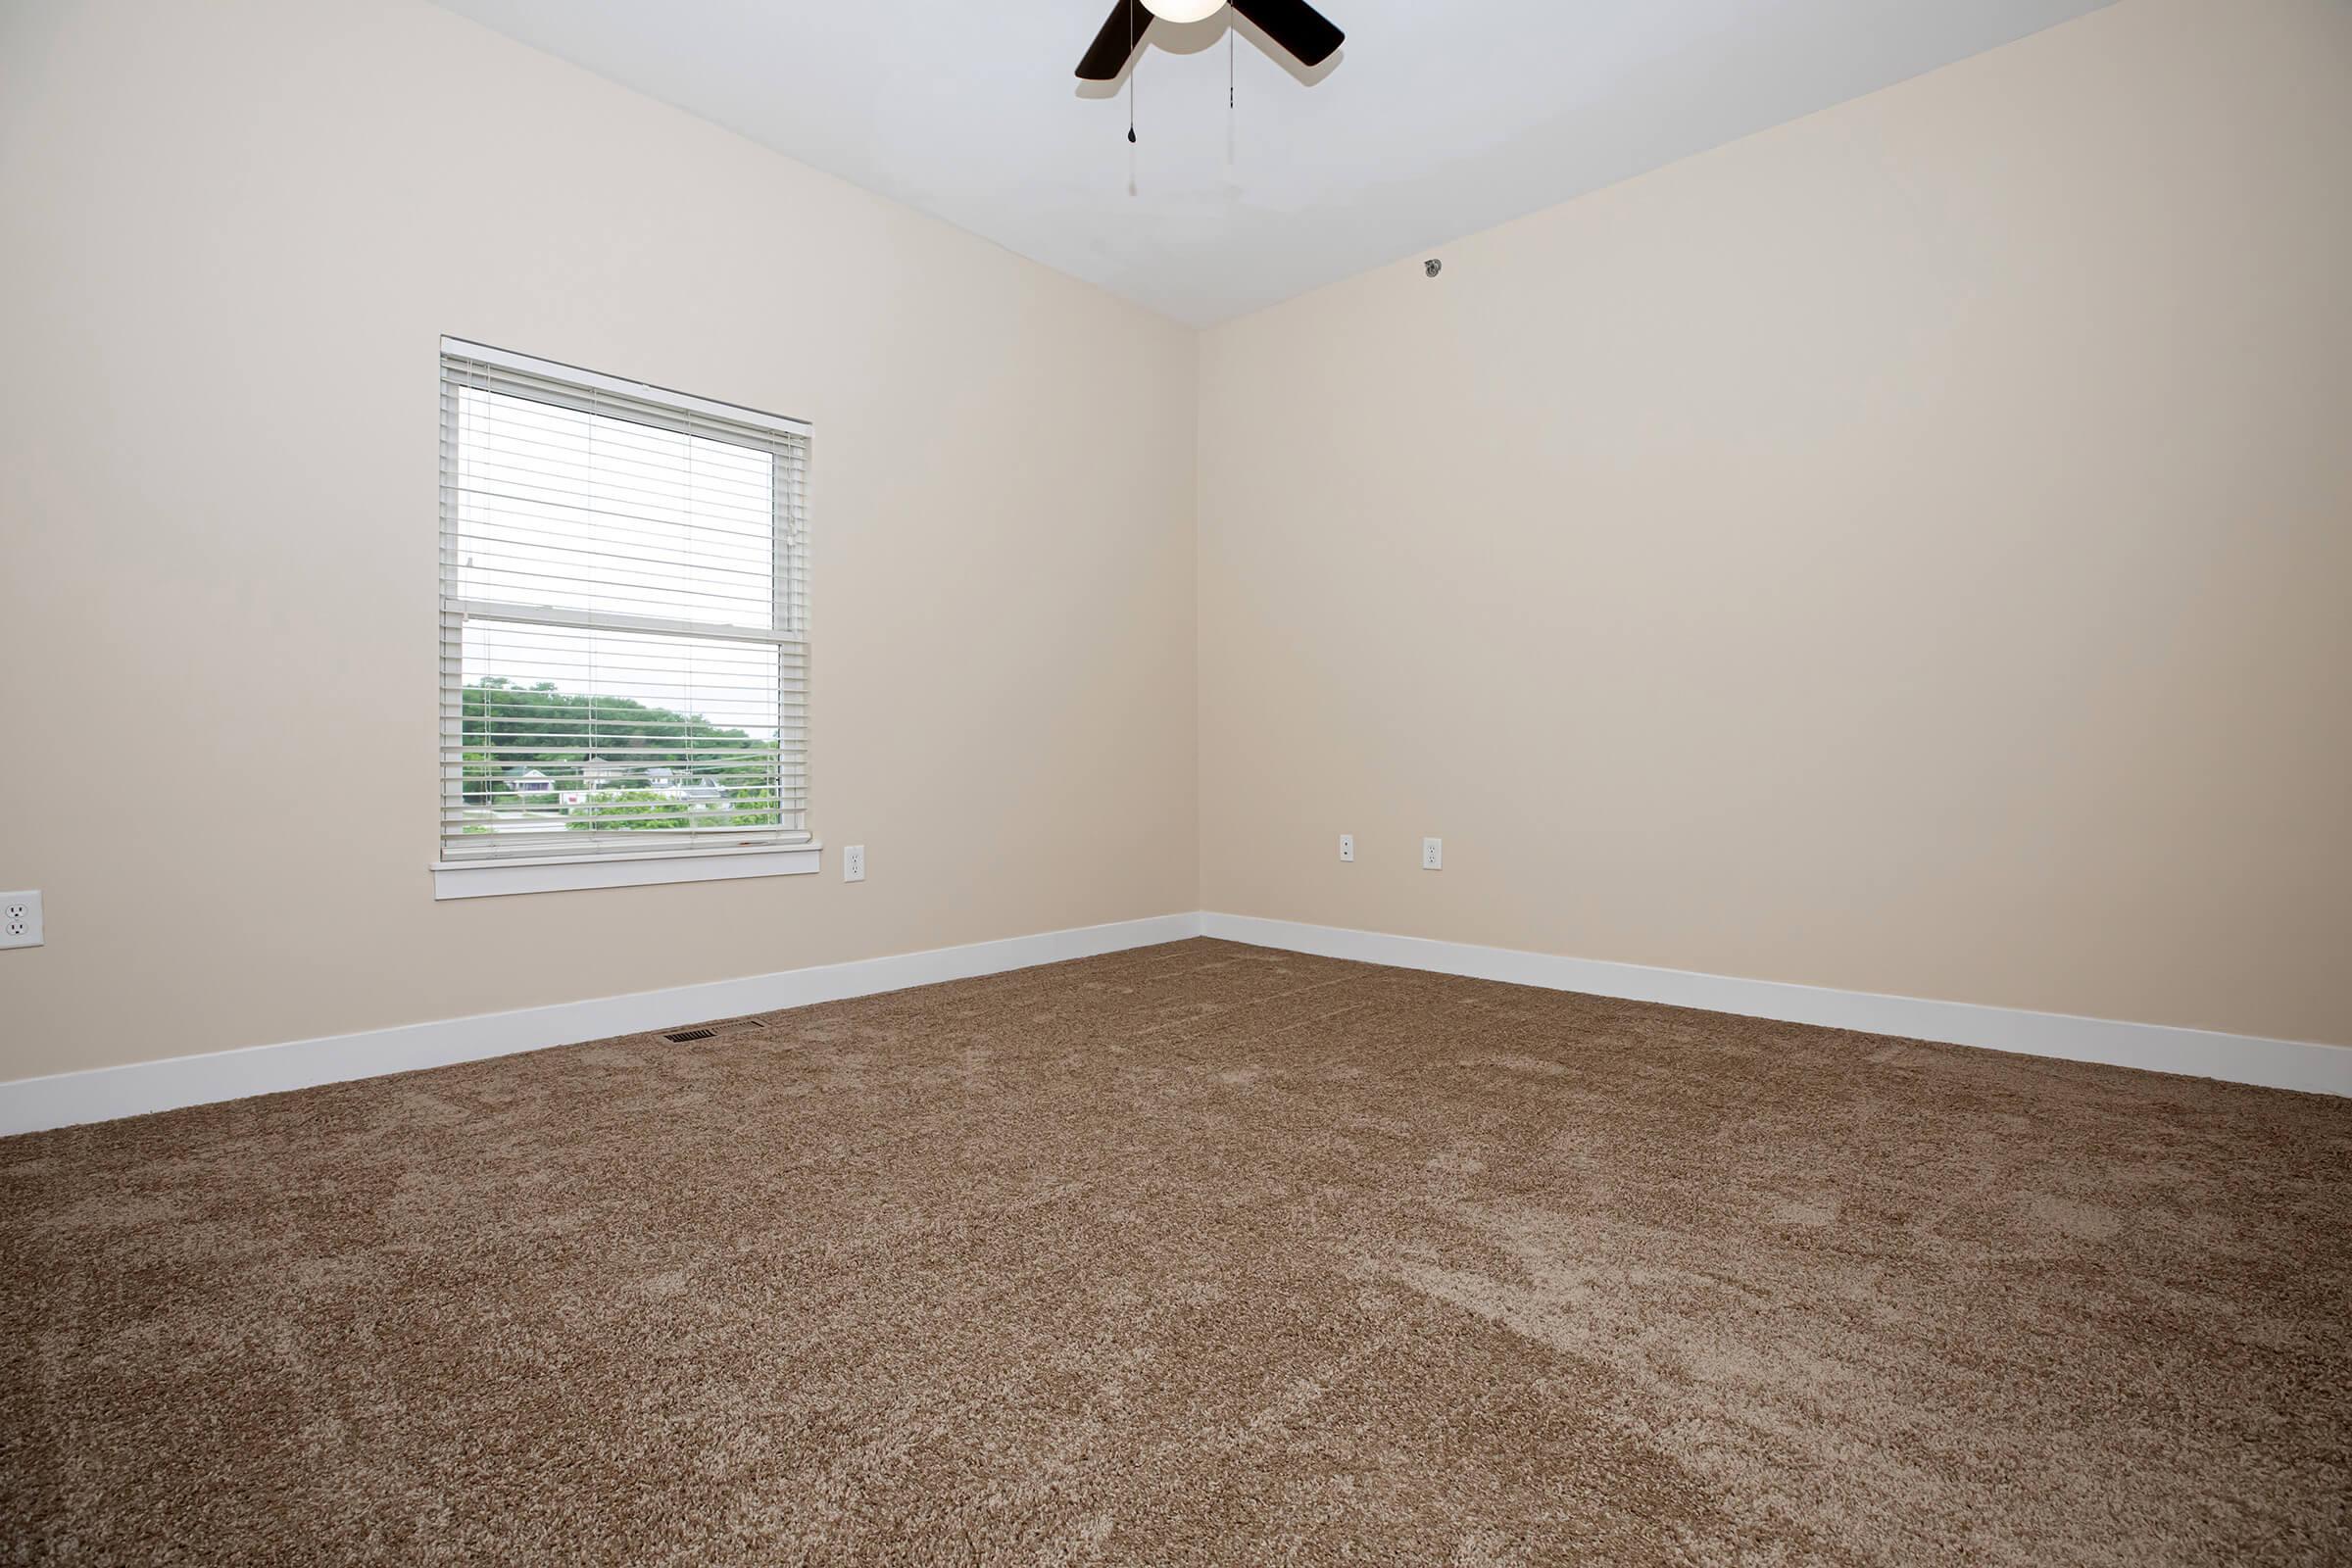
(2155, 1047)
(30, 1104)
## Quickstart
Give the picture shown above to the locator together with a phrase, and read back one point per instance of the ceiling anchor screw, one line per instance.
(1433, 266)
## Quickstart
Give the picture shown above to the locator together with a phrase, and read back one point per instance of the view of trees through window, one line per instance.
(538, 759)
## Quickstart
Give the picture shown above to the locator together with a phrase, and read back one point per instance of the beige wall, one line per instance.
(230, 236)
(1908, 549)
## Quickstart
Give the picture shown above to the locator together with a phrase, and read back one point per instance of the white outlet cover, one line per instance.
(1348, 847)
(1433, 855)
(853, 863)
(21, 919)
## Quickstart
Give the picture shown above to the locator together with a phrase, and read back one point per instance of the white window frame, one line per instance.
(491, 875)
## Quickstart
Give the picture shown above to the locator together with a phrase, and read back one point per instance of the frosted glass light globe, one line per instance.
(1184, 9)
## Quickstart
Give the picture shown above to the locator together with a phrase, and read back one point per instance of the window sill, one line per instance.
(489, 879)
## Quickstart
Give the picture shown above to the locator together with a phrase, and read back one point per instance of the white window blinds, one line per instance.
(623, 617)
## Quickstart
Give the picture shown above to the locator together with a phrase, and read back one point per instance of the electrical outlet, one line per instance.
(1433, 855)
(19, 919)
(1348, 847)
(853, 863)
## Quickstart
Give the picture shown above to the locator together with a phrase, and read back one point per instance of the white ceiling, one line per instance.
(1438, 117)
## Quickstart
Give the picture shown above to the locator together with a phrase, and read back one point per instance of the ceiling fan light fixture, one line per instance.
(1183, 10)
(1294, 26)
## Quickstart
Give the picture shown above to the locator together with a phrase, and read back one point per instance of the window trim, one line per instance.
(624, 865)
(621, 868)
(642, 391)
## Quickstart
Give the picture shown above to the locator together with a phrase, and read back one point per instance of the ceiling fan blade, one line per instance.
(1120, 38)
(1295, 26)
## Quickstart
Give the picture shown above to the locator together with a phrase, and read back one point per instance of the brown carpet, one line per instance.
(1201, 1253)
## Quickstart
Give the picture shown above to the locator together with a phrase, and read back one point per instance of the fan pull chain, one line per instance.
(1132, 62)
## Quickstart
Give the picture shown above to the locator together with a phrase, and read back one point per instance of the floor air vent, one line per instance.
(684, 1035)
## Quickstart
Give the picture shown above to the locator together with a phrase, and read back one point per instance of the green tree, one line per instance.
(629, 811)
(507, 727)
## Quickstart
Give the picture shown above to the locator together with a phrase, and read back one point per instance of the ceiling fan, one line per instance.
(1294, 25)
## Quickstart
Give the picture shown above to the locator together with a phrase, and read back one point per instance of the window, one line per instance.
(623, 629)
